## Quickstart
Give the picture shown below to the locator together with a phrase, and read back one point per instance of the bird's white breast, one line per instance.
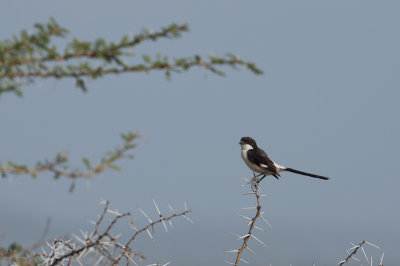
(254, 167)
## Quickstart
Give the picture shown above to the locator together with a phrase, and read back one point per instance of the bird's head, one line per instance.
(248, 141)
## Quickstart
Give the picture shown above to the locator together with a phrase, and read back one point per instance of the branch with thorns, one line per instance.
(102, 244)
(355, 248)
(251, 223)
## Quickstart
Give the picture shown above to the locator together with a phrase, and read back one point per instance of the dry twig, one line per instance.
(252, 224)
(355, 248)
(101, 244)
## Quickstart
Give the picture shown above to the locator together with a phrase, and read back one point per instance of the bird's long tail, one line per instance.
(307, 174)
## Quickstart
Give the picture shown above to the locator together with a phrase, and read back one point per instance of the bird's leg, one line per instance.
(261, 178)
(255, 177)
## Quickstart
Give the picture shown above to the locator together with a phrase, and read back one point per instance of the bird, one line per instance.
(258, 161)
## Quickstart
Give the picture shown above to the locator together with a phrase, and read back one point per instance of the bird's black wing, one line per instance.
(259, 157)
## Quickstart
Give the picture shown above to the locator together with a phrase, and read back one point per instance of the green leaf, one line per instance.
(147, 59)
(17, 166)
(72, 187)
(254, 69)
(87, 163)
(14, 248)
(57, 175)
(115, 167)
(80, 84)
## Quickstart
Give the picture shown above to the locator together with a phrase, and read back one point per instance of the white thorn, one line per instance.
(251, 251)
(133, 227)
(249, 208)
(244, 261)
(116, 212)
(170, 223)
(364, 253)
(244, 236)
(84, 233)
(235, 235)
(172, 209)
(77, 238)
(151, 237)
(231, 250)
(161, 217)
(187, 218)
(245, 217)
(262, 243)
(158, 210)
(44, 252)
(265, 221)
(231, 263)
(375, 246)
(98, 261)
(256, 227)
(145, 215)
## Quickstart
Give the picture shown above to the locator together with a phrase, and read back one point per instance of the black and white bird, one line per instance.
(257, 160)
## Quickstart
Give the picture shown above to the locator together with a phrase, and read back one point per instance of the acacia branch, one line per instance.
(355, 248)
(177, 67)
(59, 168)
(104, 244)
(173, 31)
(255, 188)
(31, 56)
(352, 254)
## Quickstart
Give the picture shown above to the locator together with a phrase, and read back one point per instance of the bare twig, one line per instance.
(352, 253)
(101, 243)
(252, 222)
(355, 248)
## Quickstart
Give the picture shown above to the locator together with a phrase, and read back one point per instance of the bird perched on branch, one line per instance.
(258, 161)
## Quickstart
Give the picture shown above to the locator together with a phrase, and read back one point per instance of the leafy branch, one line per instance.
(15, 254)
(58, 166)
(30, 56)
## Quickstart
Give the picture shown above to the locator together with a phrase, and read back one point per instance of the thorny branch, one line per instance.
(355, 248)
(252, 224)
(102, 244)
(353, 253)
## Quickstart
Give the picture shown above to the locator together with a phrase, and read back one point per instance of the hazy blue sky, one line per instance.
(328, 103)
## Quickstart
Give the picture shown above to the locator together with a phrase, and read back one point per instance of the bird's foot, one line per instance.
(256, 180)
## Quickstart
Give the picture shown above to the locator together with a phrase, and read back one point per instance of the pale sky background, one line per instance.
(328, 103)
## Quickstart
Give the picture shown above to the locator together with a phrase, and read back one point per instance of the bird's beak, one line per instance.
(240, 142)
